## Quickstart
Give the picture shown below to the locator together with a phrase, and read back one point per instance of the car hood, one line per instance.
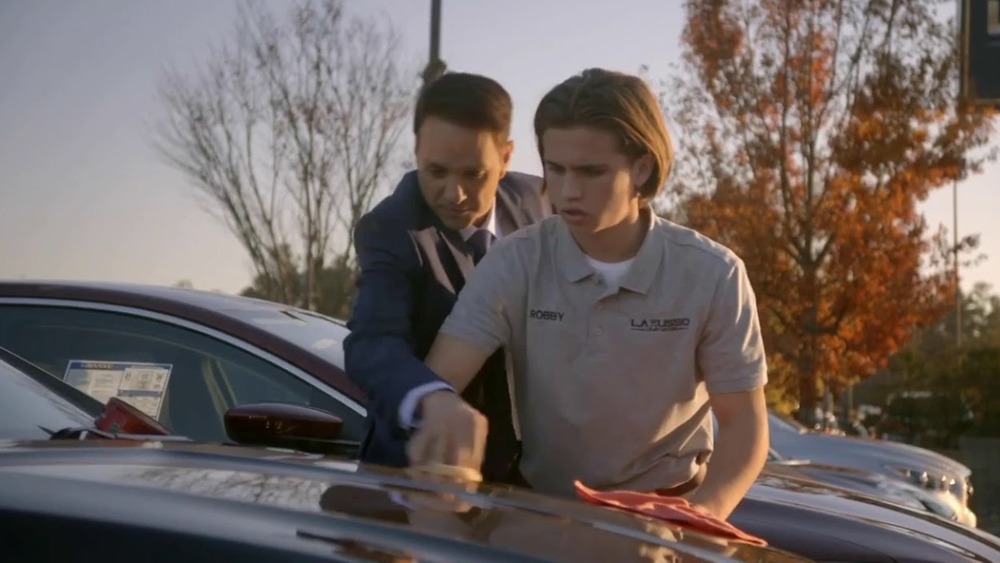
(857, 480)
(881, 486)
(880, 455)
(260, 494)
(805, 514)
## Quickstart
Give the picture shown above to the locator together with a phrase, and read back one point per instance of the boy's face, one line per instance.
(592, 184)
(459, 170)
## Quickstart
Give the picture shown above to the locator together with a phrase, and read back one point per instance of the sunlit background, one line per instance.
(83, 194)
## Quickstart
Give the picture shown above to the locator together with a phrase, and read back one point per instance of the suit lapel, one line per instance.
(453, 255)
(510, 214)
(449, 262)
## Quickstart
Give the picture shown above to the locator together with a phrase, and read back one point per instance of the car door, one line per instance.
(184, 375)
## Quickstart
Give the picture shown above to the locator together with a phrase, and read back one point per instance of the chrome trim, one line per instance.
(196, 327)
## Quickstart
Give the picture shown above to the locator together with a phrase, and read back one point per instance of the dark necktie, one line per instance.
(480, 242)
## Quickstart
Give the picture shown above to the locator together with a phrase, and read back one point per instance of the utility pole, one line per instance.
(958, 281)
(435, 66)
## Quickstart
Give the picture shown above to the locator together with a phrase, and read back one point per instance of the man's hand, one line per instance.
(451, 433)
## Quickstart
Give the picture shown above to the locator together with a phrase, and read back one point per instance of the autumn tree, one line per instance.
(809, 132)
(286, 134)
(934, 360)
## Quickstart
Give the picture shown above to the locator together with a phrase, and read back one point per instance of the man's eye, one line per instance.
(437, 172)
(552, 168)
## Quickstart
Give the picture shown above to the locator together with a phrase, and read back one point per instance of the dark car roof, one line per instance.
(256, 493)
(224, 312)
(93, 289)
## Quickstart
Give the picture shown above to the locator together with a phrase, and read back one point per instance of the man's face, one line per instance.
(459, 170)
(592, 184)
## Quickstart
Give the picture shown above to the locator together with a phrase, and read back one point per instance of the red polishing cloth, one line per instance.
(672, 509)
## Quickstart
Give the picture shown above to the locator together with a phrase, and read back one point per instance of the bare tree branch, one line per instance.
(286, 133)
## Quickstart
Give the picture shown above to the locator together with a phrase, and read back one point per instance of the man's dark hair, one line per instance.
(467, 100)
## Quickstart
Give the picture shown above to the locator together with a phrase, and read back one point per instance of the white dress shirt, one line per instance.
(408, 406)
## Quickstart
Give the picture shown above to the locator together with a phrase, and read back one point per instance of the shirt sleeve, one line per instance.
(731, 351)
(483, 312)
(408, 408)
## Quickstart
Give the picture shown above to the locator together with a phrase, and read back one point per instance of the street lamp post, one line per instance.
(435, 66)
(958, 281)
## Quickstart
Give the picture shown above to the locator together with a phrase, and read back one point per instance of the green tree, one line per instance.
(934, 361)
(334, 286)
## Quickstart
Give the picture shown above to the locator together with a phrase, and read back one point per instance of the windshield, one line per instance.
(29, 405)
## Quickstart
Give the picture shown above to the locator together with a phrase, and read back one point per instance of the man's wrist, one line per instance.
(431, 400)
(410, 407)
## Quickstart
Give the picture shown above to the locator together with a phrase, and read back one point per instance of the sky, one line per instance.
(84, 195)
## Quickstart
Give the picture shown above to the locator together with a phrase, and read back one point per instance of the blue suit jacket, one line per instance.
(411, 270)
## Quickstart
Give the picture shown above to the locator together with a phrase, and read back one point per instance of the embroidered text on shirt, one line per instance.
(660, 325)
(543, 315)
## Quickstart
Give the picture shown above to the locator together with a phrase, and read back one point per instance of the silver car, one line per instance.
(946, 479)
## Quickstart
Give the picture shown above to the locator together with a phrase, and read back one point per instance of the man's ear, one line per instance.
(506, 153)
(642, 169)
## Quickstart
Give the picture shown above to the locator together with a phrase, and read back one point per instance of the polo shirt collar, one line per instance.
(640, 275)
(644, 269)
(572, 262)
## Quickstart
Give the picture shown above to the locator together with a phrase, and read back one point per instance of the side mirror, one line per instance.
(284, 425)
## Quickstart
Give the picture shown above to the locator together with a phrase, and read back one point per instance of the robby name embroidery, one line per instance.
(545, 315)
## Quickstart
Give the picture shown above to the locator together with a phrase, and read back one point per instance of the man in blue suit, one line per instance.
(416, 249)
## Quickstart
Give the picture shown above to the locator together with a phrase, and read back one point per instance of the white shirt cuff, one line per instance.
(398, 498)
(412, 399)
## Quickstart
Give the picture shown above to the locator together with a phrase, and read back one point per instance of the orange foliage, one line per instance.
(809, 132)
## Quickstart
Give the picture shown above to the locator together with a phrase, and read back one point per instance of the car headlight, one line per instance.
(902, 494)
(963, 489)
(939, 508)
(917, 498)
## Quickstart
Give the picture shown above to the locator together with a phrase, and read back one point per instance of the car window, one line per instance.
(30, 410)
(321, 334)
(202, 376)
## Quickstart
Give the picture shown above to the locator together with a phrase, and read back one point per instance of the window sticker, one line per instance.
(143, 385)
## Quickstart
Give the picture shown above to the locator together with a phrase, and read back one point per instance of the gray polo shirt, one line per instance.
(611, 384)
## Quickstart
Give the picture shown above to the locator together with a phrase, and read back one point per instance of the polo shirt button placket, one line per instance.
(597, 339)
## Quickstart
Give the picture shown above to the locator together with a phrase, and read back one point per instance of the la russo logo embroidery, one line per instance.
(660, 325)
